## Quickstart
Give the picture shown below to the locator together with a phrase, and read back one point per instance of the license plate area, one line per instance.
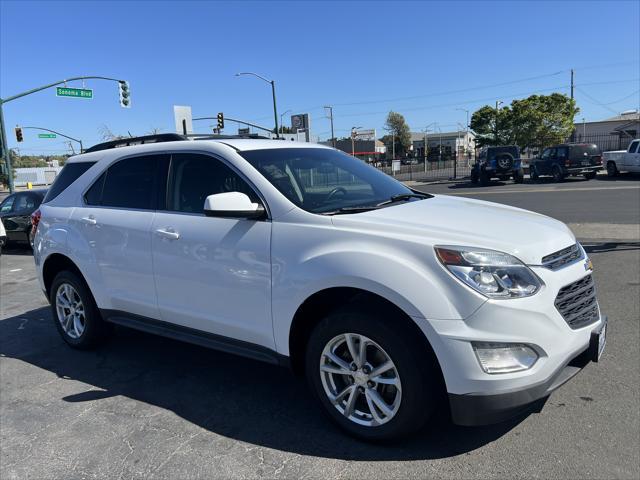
(598, 341)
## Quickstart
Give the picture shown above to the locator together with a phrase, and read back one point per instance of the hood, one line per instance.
(448, 220)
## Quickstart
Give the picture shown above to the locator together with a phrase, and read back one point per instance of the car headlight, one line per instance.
(492, 273)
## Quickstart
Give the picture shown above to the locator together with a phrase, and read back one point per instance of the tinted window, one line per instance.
(193, 177)
(323, 180)
(94, 194)
(69, 174)
(7, 204)
(130, 183)
(633, 147)
(584, 150)
(547, 153)
(25, 202)
(563, 153)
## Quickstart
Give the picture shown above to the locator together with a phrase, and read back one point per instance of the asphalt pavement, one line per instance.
(144, 406)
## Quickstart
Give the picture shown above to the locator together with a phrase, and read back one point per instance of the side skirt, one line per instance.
(196, 337)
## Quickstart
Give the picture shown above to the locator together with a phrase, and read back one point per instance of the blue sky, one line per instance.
(422, 59)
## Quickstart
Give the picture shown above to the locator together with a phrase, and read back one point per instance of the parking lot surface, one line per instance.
(144, 406)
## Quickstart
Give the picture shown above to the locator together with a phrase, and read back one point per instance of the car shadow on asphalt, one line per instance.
(231, 396)
(612, 246)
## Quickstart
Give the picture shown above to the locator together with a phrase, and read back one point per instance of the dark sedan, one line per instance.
(15, 212)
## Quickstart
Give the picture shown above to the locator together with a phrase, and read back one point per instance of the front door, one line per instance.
(212, 274)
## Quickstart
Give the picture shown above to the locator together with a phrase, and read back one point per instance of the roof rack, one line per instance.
(166, 137)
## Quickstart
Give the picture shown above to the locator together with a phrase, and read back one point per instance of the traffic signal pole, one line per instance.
(5, 147)
(57, 133)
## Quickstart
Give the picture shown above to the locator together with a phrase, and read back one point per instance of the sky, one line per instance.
(427, 60)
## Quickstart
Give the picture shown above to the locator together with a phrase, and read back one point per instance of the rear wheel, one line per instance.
(484, 178)
(518, 176)
(590, 175)
(75, 313)
(371, 377)
(612, 169)
(557, 174)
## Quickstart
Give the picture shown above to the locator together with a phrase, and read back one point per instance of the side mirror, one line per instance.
(232, 205)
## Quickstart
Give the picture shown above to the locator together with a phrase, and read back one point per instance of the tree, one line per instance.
(534, 121)
(399, 131)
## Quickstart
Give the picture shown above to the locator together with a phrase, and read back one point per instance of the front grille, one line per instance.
(577, 303)
(562, 257)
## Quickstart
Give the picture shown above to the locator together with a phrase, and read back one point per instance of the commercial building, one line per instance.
(443, 144)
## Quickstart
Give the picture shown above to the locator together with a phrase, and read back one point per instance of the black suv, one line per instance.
(500, 162)
(560, 161)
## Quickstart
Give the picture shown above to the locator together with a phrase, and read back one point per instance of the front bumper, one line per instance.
(479, 409)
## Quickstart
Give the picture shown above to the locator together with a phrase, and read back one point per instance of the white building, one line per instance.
(445, 143)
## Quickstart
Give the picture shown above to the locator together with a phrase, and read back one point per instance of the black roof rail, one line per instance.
(167, 137)
(125, 142)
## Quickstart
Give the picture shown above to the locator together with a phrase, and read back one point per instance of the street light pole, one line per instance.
(282, 115)
(273, 94)
(3, 136)
(333, 137)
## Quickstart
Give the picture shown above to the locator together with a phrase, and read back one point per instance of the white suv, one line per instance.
(387, 299)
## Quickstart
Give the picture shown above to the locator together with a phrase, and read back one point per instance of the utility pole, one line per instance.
(3, 132)
(333, 137)
(498, 103)
(573, 132)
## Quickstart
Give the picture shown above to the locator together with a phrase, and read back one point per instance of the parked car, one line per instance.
(16, 210)
(623, 160)
(561, 161)
(3, 236)
(385, 298)
(501, 162)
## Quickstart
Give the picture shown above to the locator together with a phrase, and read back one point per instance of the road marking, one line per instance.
(15, 270)
(539, 190)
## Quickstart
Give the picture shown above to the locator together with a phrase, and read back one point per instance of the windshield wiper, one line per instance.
(402, 197)
(344, 210)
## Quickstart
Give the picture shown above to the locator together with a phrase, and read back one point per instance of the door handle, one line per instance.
(90, 220)
(168, 233)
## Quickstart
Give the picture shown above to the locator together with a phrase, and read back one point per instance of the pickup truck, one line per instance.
(623, 160)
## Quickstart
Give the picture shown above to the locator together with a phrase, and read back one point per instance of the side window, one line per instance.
(69, 174)
(7, 205)
(24, 202)
(546, 154)
(130, 183)
(193, 177)
(633, 148)
(563, 153)
(94, 194)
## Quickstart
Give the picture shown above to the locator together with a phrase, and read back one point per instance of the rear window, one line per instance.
(69, 174)
(584, 150)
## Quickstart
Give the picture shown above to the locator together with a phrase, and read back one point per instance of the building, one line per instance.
(613, 133)
(443, 144)
(362, 148)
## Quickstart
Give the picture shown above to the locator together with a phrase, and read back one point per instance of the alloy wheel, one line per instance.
(360, 379)
(70, 310)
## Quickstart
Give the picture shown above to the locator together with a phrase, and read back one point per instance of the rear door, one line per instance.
(543, 166)
(116, 223)
(212, 274)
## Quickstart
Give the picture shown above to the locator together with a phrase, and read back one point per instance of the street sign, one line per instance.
(46, 135)
(74, 92)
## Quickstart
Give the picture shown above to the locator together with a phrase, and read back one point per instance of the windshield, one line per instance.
(321, 180)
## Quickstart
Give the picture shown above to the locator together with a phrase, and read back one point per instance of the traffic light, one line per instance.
(125, 94)
(19, 134)
(220, 121)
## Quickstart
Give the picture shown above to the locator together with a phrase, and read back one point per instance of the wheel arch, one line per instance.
(319, 304)
(54, 264)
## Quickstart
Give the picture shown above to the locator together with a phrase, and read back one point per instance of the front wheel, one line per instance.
(484, 178)
(370, 376)
(557, 174)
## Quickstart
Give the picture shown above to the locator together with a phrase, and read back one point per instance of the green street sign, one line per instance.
(74, 92)
(46, 135)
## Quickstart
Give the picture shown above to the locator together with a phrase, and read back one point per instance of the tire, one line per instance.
(612, 169)
(505, 161)
(85, 330)
(518, 176)
(533, 173)
(474, 176)
(484, 178)
(414, 371)
(557, 174)
(590, 175)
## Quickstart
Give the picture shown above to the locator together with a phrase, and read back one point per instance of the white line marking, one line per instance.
(15, 270)
(539, 190)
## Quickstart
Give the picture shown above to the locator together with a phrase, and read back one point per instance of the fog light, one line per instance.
(504, 357)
